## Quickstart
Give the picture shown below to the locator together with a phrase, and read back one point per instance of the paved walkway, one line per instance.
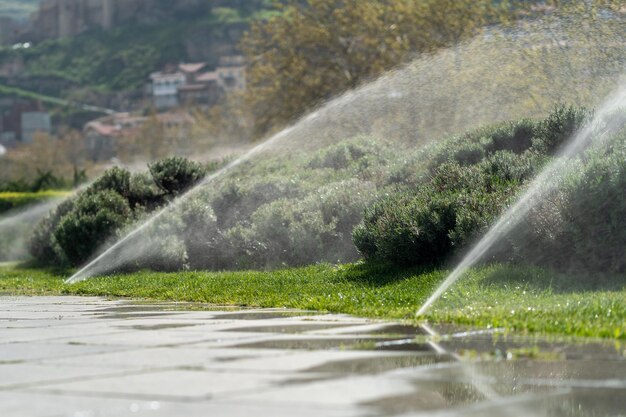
(70, 356)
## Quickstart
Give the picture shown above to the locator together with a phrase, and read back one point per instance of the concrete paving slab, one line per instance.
(342, 392)
(146, 358)
(22, 374)
(20, 352)
(96, 357)
(177, 384)
(52, 405)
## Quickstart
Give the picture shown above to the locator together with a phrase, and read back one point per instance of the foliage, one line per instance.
(73, 231)
(313, 50)
(175, 175)
(559, 126)
(425, 226)
(474, 176)
(94, 218)
(577, 224)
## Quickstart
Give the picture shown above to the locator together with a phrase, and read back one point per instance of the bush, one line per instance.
(406, 229)
(429, 224)
(580, 224)
(471, 148)
(94, 219)
(237, 200)
(200, 234)
(78, 227)
(558, 127)
(143, 193)
(577, 223)
(175, 175)
(43, 244)
(114, 179)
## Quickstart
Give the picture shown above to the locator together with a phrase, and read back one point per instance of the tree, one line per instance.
(310, 52)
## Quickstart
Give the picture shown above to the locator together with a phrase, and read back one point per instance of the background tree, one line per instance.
(311, 52)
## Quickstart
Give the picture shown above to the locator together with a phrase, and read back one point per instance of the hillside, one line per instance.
(121, 59)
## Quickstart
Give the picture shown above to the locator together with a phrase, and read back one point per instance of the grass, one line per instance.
(522, 299)
(14, 200)
(12, 195)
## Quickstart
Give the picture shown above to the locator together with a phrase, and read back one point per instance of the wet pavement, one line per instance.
(75, 356)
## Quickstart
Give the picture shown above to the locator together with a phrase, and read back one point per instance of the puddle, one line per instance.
(313, 344)
(290, 328)
(226, 359)
(521, 347)
(395, 330)
(263, 315)
(375, 365)
(158, 326)
(403, 345)
(130, 315)
(434, 396)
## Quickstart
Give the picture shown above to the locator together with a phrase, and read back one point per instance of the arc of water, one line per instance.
(517, 211)
(83, 273)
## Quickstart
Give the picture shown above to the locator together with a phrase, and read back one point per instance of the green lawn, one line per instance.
(516, 298)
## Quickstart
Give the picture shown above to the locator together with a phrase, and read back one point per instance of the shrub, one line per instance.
(471, 148)
(580, 223)
(507, 166)
(143, 193)
(80, 226)
(237, 200)
(289, 232)
(94, 219)
(360, 153)
(176, 174)
(114, 179)
(558, 127)
(43, 244)
(514, 136)
(577, 223)
(200, 234)
(407, 229)
(427, 225)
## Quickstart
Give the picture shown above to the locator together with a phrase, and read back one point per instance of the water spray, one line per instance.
(594, 132)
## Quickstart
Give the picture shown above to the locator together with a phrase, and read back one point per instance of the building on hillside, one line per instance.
(102, 135)
(191, 71)
(232, 73)
(21, 119)
(191, 84)
(164, 88)
(34, 122)
(205, 91)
